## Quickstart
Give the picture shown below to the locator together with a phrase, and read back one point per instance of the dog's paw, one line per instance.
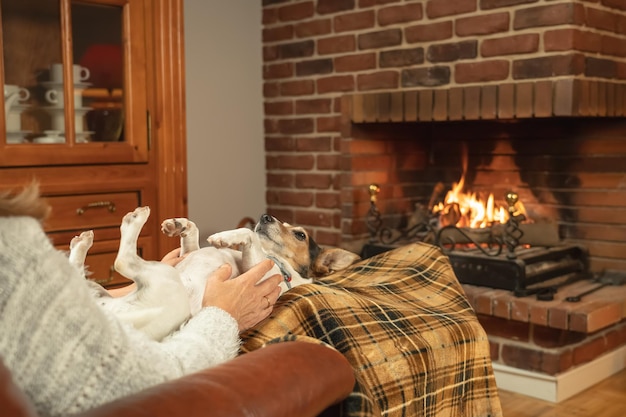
(231, 238)
(177, 227)
(84, 241)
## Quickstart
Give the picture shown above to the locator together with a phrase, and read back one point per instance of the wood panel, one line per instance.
(168, 121)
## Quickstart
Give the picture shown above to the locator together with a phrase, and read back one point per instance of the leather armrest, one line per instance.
(280, 380)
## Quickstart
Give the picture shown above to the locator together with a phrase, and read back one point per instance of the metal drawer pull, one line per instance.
(108, 204)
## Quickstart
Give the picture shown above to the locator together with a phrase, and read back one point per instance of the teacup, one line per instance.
(55, 96)
(13, 94)
(79, 73)
(21, 93)
(58, 120)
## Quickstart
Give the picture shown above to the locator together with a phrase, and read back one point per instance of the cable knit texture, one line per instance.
(66, 353)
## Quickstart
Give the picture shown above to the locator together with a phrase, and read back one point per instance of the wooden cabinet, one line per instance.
(93, 111)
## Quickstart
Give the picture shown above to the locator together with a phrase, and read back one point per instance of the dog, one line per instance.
(165, 296)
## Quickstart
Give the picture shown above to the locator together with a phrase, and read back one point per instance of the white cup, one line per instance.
(55, 97)
(58, 122)
(80, 74)
(14, 121)
(10, 89)
(13, 94)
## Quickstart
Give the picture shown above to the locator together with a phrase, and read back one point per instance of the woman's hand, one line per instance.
(241, 297)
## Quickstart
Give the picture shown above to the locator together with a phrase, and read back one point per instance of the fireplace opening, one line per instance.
(569, 174)
(497, 255)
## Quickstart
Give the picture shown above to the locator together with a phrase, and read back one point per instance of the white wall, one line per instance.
(225, 152)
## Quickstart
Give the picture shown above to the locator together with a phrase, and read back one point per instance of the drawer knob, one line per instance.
(97, 204)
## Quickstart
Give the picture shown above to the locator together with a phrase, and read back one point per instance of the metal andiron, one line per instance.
(422, 226)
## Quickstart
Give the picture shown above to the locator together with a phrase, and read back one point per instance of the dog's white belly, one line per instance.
(198, 265)
(157, 310)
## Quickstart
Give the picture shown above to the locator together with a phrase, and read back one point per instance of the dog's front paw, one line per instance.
(231, 238)
(177, 227)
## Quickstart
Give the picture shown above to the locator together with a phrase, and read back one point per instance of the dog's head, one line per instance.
(294, 245)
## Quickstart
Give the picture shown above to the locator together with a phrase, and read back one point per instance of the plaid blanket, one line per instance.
(402, 320)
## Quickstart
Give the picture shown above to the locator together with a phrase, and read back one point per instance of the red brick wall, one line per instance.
(315, 52)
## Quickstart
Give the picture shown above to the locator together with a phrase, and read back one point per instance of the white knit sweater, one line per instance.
(64, 351)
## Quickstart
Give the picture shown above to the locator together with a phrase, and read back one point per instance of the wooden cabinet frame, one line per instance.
(168, 120)
(160, 175)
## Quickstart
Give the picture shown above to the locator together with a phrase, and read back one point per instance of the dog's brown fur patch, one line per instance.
(303, 253)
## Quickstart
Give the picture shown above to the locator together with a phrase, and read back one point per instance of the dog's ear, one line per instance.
(331, 260)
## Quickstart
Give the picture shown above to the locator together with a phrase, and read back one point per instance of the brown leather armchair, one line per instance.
(280, 380)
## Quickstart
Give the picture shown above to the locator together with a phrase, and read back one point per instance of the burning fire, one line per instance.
(467, 209)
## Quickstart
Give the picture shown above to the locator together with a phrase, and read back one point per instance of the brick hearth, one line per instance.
(551, 337)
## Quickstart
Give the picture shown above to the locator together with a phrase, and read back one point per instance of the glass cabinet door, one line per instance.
(74, 82)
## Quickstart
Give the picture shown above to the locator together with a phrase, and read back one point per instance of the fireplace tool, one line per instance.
(607, 278)
(491, 257)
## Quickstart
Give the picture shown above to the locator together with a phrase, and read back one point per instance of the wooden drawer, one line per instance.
(101, 270)
(89, 211)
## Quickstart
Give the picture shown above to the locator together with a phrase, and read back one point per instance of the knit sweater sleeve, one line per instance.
(65, 352)
(207, 339)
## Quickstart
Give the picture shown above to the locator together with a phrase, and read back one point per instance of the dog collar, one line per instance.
(283, 271)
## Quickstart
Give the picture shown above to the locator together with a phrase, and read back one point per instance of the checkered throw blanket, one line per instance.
(403, 322)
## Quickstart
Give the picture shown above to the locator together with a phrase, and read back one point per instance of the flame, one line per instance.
(467, 209)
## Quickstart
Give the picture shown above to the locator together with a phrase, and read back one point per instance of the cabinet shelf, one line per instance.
(69, 82)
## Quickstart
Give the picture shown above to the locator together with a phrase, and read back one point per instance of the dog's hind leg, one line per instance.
(186, 229)
(160, 293)
(127, 262)
(79, 246)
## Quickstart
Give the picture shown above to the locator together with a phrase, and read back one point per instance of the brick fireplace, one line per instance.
(391, 92)
(336, 68)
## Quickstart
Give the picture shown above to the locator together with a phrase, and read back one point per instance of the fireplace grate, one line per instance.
(522, 274)
(531, 266)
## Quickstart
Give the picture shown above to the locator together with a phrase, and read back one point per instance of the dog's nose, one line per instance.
(266, 218)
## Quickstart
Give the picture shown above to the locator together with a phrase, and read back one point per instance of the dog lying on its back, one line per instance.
(167, 296)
